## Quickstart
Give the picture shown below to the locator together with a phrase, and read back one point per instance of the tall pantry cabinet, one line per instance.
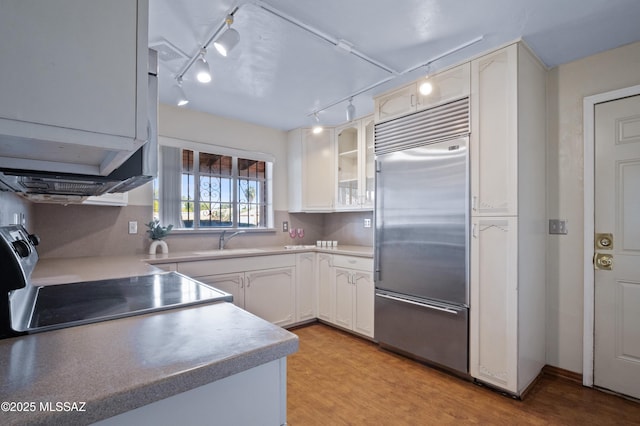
(508, 208)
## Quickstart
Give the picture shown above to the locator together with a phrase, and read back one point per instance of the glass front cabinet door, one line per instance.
(355, 165)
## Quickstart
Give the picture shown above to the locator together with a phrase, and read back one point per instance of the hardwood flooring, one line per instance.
(340, 379)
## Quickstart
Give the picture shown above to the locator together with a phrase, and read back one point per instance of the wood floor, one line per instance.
(340, 379)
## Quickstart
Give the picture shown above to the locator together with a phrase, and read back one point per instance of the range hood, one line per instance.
(66, 188)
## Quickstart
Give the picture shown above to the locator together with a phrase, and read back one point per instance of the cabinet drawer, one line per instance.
(201, 268)
(353, 262)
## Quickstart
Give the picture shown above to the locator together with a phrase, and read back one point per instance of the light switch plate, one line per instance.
(285, 226)
(133, 227)
(558, 226)
(367, 223)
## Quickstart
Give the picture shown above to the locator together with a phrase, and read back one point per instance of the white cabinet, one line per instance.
(355, 165)
(349, 294)
(326, 287)
(429, 92)
(444, 87)
(311, 168)
(494, 134)
(305, 287)
(507, 283)
(396, 103)
(74, 84)
(263, 285)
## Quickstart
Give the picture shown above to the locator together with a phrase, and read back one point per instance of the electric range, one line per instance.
(25, 308)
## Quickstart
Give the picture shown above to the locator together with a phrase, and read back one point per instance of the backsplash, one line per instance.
(80, 230)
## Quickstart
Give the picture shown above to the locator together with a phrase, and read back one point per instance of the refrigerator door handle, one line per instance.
(423, 305)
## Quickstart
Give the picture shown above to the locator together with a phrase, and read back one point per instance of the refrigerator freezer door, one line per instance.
(422, 221)
(434, 333)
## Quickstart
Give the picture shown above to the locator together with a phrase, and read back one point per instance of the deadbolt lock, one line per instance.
(604, 241)
(603, 261)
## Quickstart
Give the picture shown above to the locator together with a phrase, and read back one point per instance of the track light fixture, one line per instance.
(351, 111)
(317, 128)
(201, 67)
(178, 95)
(228, 39)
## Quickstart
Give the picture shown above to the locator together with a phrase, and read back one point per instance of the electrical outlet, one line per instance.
(133, 227)
(367, 223)
(285, 226)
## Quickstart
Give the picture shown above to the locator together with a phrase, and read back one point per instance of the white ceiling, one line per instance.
(279, 74)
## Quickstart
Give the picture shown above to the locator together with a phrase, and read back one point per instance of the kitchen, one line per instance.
(102, 231)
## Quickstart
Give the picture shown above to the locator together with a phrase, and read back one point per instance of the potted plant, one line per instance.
(157, 233)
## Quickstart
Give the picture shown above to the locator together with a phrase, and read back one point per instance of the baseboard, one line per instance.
(562, 373)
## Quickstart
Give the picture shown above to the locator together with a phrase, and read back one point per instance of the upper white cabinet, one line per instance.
(425, 93)
(494, 134)
(311, 170)
(355, 165)
(444, 87)
(74, 84)
(396, 103)
(508, 180)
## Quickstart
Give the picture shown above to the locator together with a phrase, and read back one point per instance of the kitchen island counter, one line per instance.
(115, 366)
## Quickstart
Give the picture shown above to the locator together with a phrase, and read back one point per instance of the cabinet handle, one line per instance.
(412, 101)
(474, 202)
(241, 282)
(473, 231)
(248, 282)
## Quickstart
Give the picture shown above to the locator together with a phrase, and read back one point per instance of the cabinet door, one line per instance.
(368, 162)
(395, 104)
(344, 297)
(270, 294)
(444, 87)
(494, 135)
(231, 283)
(494, 302)
(348, 165)
(305, 287)
(326, 287)
(74, 83)
(364, 303)
(318, 175)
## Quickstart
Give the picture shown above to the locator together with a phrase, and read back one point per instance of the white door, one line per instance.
(617, 211)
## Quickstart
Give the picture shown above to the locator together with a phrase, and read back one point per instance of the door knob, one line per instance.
(603, 262)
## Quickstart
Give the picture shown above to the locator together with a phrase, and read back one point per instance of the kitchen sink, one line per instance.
(228, 251)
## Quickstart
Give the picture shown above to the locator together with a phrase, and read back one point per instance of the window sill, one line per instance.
(203, 231)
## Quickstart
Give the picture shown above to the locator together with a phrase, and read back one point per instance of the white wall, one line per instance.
(567, 85)
(195, 126)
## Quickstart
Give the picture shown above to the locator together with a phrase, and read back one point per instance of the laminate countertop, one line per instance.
(111, 367)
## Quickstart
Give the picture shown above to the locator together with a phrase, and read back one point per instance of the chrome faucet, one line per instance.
(222, 241)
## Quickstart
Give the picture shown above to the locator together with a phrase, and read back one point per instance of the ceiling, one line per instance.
(280, 74)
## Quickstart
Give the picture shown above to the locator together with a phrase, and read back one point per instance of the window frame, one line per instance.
(235, 154)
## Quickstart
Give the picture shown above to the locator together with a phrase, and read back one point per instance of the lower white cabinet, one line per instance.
(326, 287)
(305, 287)
(348, 296)
(264, 285)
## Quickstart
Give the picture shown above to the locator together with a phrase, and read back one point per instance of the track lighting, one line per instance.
(228, 39)
(201, 67)
(351, 111)
(178, 95)
(317, 128)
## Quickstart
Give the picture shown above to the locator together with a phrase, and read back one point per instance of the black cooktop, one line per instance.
(65, 305)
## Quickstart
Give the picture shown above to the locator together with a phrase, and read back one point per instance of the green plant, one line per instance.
(157, 232)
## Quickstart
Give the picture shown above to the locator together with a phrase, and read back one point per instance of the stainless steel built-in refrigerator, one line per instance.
(421, 243)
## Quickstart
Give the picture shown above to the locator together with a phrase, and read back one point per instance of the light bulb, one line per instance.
(317, 129)
(426, 88)
(203, 75)
(351, 111)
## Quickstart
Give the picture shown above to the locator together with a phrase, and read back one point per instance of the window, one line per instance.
(218, 190)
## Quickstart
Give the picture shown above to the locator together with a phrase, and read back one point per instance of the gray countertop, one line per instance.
(115, 366)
